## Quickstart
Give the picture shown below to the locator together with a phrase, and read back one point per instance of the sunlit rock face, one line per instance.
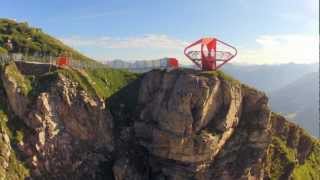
(67, 127)
(177, 125)
(187, 119)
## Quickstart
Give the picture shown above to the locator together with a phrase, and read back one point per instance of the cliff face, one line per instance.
(205, 125)
(182, 124)
(65, 126)
(202, 126)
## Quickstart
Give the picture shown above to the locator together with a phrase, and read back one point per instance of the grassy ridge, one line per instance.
(101, 82)
(30, 40)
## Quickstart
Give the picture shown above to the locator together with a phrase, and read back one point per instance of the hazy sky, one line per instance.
(264, 31)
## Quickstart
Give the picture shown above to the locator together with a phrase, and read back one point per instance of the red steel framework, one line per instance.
(209, 57)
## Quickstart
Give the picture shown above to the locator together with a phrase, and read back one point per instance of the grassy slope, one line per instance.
(101, 82)
(32, 40)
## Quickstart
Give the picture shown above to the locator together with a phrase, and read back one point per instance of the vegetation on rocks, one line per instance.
(23, 83)
(283, 157)
(310, 169)
(293, 153)
(222, 75)
(285, 160)
(12, 128)
(3, 50)
(102, 82)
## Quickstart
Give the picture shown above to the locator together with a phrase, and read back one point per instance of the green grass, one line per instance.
(76, 76)
(123, 103)
(289, 153)
(282, 157)
(117, 87)
(3, 51)
(23, 83)
(101, 82)
(16, 169)
(221, 75)
(311, 167)
(108, 81)
(15, 129)
(19, 136)
(27, 39)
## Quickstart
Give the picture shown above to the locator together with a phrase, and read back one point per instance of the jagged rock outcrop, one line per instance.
(205, 125)
(189, 117)
(68, 127)
(186, 117)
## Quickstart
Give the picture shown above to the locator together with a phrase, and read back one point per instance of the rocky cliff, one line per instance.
(176, 125)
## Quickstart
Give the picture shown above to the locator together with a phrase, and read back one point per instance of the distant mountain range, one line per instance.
(292, 89)
(299, 101)
(269, 77)
(138, 65)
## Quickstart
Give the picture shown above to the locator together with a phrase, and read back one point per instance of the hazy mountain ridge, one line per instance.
(269, 77)
(300, 99)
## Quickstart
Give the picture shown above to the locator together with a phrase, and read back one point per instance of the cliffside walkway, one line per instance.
(138, 66)
(50, 60)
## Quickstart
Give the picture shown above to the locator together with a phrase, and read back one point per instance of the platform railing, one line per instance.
(138, 66)
(79, 64)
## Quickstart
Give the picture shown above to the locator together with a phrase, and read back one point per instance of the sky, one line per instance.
(263, 31)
